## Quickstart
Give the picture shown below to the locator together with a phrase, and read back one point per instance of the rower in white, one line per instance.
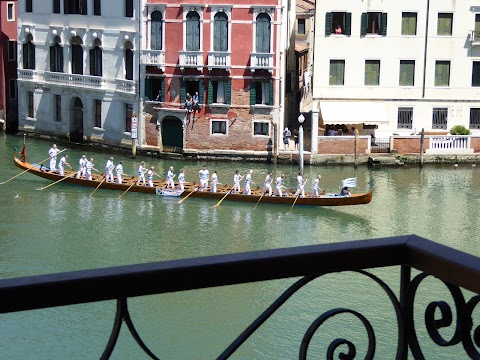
(214, 182)
(236, 182)
(82, 167)
(109, 170)
(119, 171)
(62, 163)
(278, 185)
(203, 177)
(315, 186)
(53, 157)
(181, 179)
(169, 178)
(141, 173)
(150, 173)
(267, 185)
(246, 186)
(89, 167)
(300, 185)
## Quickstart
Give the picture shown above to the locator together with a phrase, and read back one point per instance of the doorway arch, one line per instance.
(172, 134)
(76, 134)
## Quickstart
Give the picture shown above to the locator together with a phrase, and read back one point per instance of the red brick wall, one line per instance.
(475, 144)
(340, 145)
(408, 145)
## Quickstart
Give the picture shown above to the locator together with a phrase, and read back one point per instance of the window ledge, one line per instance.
(261, 106)
(373, 35)
(217, 105)
(99, 129)
(218, 134)
(339, 35)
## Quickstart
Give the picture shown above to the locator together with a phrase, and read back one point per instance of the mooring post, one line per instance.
(422, 139)
(355, 155)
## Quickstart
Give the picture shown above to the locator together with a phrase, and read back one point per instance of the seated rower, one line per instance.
(344, 192)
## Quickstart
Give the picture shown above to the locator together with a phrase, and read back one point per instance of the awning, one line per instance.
(352, 112)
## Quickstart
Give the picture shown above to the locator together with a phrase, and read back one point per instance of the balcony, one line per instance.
(127, 86)
(261, 61)
(26, 74)
(417, 261)
(219, 60)
(73, 80)
(475, 38)
(153, 58)
(191, 59)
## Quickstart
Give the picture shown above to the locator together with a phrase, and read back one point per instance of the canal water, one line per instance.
(62, 229)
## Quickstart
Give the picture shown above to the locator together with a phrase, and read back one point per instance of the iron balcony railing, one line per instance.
(455, 269)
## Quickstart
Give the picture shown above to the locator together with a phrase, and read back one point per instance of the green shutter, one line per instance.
(162, 89)
(201, 92)
(148, 89)
(348, 24)
(363, 26)
(253, 95)
(328, 23)
(228, 92)
(183, 92)
(384, 24)
(210, 92)
(270, 93)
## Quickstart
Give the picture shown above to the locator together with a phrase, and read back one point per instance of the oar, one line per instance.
(64, 178)
(298, 196)
(229, 191)
(104, 178)
(185, 198)
(23, 172)
(133, 183)
(259, 200)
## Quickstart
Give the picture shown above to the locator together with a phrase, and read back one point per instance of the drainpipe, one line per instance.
(425, 49)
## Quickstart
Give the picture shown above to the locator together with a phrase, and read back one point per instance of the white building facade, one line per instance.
(397, 66)
(78, 68)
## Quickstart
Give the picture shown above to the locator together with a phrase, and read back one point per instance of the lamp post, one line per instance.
(301, 119)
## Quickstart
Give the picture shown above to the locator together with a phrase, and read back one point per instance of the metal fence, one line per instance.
(455, 270)
(380, 145)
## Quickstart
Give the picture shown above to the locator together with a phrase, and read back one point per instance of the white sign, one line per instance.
(134, 127)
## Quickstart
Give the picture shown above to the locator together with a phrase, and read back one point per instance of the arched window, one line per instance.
(156, 31)
(263, 30)
(29, 53)
(193, 31)
(128, 61)
(77, 55)
(96, 58)
(220, 32)
(56, 55)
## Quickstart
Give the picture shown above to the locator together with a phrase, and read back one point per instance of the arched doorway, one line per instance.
(172, 134)
(77, 132)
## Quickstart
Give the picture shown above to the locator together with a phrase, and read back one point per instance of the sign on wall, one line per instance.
(134, 127)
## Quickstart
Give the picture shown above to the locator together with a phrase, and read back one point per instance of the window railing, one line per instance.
(475, 37)
(153, 58)
(219, 60)
(261, 61)
(27, 74)
(127, 86)
(191, 59)
(455, 270)
(74, 80)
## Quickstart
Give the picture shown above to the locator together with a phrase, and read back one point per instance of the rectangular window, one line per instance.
(10, 11)
(98, 113)
(440, 116)
(444, 24)
(374, 23)
(97, 8)
(30, 111)
(301, 26)
(338, 23)
(12, 89)
(78, 7)
(219, 127)
(58, 108)
(128, 117)
(261, 128)
(219, 92)
(337, 72)
(56, 6)
(475, 118)
(372, 72)
(409, 23)
(12, 50)
(476, 73)
(128, 8)
(260, 93)
(442, 73)
(28, 6)
(405, 118)
(407, 72)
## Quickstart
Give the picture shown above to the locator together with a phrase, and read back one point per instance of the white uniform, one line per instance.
(246, 188)
(315, 186)
(109, 170)
(236, 182)
(278, 185)
(141, 174)
(119, 171)
(203, 176)
(150, 178)
(181, 180)
(213, 182)
(53, 158)
(89, 167)
(300, 186)
(61, 166)
(267, 185)
(82, 167)
(169, 179)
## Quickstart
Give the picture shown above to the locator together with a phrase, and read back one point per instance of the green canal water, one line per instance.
(62, 229)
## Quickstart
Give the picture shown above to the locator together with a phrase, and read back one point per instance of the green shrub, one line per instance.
(459, 130)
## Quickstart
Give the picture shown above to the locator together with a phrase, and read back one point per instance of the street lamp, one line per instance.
(301, 119)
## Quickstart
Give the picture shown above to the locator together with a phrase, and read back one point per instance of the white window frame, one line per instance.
(219, 120)
(262, 122)
(12, 4)
(227, 9)
(186, 9)
(257, 10)
(150, 9)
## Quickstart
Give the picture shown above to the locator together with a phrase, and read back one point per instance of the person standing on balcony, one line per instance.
(53, 152)
(189, 109)
(203, 177)
(109, 170)
(286, 138)
(196, 106)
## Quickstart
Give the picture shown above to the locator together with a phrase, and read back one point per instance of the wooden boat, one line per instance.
(191, 189)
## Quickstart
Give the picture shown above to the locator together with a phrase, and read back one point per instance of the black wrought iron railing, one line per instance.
(455, 269)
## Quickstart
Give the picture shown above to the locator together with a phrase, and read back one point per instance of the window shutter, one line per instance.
(253, 95)
(148, 90)
(56, 6)
(384, 24)
(183, 92)
(25, 55)
(83, 4)
(210, 92)
(162, 89)
(328, 24)
(60, 59)
(92, 62)
(52, 58)
(363, 26)
(201, 92)
(270, 93)
(228, 92)
(348, 23)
